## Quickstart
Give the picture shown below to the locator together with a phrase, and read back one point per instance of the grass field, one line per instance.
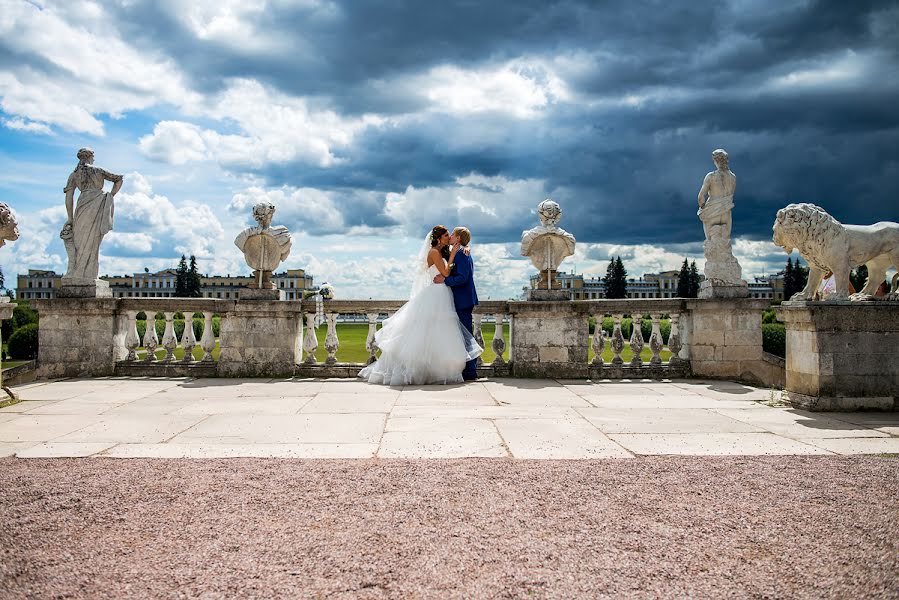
(352, 338)
(9, 364)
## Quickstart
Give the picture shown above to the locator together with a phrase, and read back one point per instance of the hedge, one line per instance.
(23, 343)
(774, 339)
(608, 325)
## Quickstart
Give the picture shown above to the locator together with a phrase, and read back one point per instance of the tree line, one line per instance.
(616, 280)
(188, 283)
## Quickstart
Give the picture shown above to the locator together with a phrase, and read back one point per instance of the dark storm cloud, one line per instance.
(705, 76)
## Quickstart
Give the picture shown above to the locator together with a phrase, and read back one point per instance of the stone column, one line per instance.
(77, 337)
(549, 339)
(842, 355)
(6, 310)
(260, 339)
(725, 339)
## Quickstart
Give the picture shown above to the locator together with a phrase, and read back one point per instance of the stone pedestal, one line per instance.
(549, 339)
(260, 339)
(84, 289)
(6, 310)
(261, 294)
(710, 289)
(842, 355)
(724, 338)
(77, 337)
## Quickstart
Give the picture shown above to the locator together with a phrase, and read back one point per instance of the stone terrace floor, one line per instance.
(522, 419)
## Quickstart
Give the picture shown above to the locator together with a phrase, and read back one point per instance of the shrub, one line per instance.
(23, 343)
(769, 316)
(608, 325)
(24, 315)
(774, 339)
(179, 328)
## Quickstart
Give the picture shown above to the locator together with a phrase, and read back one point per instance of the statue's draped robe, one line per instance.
(93, 219)
(716, 209)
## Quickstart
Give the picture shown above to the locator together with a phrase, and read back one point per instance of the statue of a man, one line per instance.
(264, 246)
(90, 220)
(716, 196)
(547, 245)
(9, 230)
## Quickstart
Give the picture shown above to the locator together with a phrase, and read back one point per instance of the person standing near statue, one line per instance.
(88, 222)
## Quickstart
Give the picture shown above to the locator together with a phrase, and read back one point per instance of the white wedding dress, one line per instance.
(424, 342)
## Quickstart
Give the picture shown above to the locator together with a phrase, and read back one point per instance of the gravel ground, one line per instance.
(655, 527)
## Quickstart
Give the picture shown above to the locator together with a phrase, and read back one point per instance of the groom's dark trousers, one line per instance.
(465, 297)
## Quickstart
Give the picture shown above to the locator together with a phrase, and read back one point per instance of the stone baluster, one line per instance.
(655, 340)
(636, 340)
(151, 340)
(331, 342)
(598, 342)
(310, 342)
(370, 343)
(169, 339)
(617, 342)
(499, 341)
(674, 341)
(188, 338)
(207, 340)
(132, 339)
(477, 320)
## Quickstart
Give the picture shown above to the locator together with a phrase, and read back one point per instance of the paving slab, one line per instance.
(481, 440)
(246, 405)
(884, 445)
(74, 406)
(663, 402)
(887, 422)
(132, 429)
(286, 429)
(64, 449)
(332, 402)
(41, 428)
(486, 412)
(195, 450)
(557, 439)
(10, 448)
(800, 424)
(25, 406)
(355, 386)
(663, 420)
(529, 392)
(713, 444)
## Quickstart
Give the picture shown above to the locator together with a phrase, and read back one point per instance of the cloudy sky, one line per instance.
(366, 123)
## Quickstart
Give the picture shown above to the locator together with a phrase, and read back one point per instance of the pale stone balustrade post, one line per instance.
(310, 342)
(207, 340)
(499, 340)
(169, 340)
(132, 339)
(188, 338)
(151, 339)
(655, 340)
(370, 344)
(332, 344)
(674, 341)
(598, 342)
(636, 340)
(477, 322)
(617, 341)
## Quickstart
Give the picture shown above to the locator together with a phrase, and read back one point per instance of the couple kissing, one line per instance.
(430, 339)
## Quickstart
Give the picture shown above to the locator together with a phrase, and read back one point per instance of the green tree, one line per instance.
(789, 279)
(2, 279)
(800, 276)
(858, 277)
(693, 291)
(683, 281)
(181, 275)
(194, 283)
(616, 279)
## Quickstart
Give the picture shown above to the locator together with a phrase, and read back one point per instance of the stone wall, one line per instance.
(548, 339)
(261, 339)
(77, 337)
(842, 356)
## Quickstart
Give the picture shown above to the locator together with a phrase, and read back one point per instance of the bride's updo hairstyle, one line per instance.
(437, 233)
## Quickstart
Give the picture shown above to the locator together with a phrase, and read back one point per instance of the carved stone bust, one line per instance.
(547, 245)
(9, 230)
(264, 247)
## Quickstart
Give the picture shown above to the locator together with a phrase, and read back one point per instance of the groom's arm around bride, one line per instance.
(465, 296)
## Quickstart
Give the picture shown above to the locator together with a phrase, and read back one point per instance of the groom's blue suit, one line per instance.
(465, 296)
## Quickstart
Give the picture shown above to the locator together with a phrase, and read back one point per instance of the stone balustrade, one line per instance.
(261, 338)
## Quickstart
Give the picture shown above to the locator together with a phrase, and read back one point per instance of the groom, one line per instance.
(465, 297)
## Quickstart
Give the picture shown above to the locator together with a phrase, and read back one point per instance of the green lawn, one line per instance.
(10, 364)
(352, 338)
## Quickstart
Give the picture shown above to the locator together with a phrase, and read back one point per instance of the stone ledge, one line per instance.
(840, 404)
(172, 369)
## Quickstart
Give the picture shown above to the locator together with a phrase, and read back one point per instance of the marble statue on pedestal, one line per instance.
(87, 223)
(264, 248)
(828, 245)
(9, 229)
(547, 245)
(723, 274)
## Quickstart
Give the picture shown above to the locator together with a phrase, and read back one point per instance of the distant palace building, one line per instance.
(654, 285)
(43, 284)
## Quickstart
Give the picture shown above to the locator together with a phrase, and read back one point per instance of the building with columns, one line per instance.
(38, 284)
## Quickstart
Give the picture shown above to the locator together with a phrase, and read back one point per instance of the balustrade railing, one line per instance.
(135, 349)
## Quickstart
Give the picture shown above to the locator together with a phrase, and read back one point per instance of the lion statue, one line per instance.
(9, 229)
(828, 245)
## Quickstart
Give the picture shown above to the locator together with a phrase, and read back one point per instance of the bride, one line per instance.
(424, 342)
